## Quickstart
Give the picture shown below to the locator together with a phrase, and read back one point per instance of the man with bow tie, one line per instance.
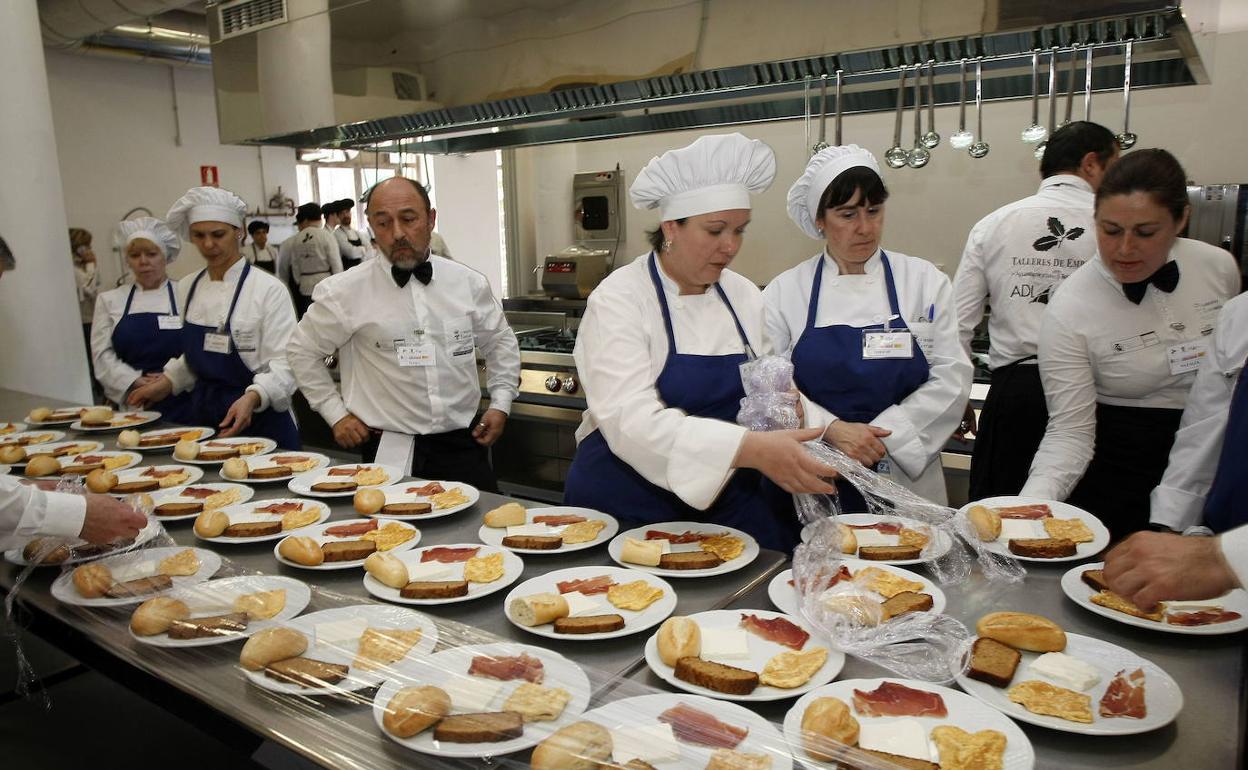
(407, 327)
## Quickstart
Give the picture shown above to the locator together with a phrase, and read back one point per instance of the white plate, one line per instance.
(178, 495)
(397, 493)
(1081, 593)
(216, 597)
(938, 547)
(512, 567)
(269, 446)
(634, 621)
(132, 459)
(302, 483)
(151, 530)
(964, 712)
(266, 461)
(1162, 695)
(9, 428)
(205, 432)
(92, 447)
(438, 668)
(66, 421)
(209, 562)
(46, 436)
(144, 417)
(1100, 534)
(136, 474)
(761, 651)
(317, 533)
(495, 535)
(244, 512)
(4, 469)
(679, 527)
(788, 600)
(379, 616)
(642, 710)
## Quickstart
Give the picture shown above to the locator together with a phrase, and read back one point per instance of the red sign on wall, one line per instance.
(208, 176)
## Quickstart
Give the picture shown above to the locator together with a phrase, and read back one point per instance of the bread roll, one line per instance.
(234, 468)
(12, 454)
(301, 550)
(154, 616)
(578, 746)
(42, 465)
(644, 552)
(986, 521)
(387, 568)
(849, 540)
(369, 501)
(211, 523)
(679, 637)
(128, 439)
(538, 609)
(827, 719)
(1022, 631)
(186, 450)
(40, 414)
(45, 550)
(509, 515)
(97, 414)
(93, 580)
(101, 480)
(414, 709)
(271, 645)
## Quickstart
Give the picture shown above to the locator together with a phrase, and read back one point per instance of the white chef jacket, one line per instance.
(308, 257)
(1179, 500)
(27, 511)
(87, 281)
(254, 253)
(114, 374)
(264, 313)
(1004, 263)
(621, 348)
(923, 421)
(1234, 544)
(1096, 346)
(348, 250)
(367, 317)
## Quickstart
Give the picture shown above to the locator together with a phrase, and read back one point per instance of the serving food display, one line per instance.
(587, 603)
(218, 611)
(20, 454)
(259, 520)
(441, 574)
(546, 530)
(413, 500)
(895, 590)
(44, 415)
(149, 478)
(102, 419)
(188, 502)
(40, 465)
(162, 439)
(1226, 614)
(1036, 530)
(892, 540)
(55, 552)
(215, 451)
(684, 549)
(344, 480)
(344, 544)
(269, 468)
(134, 577)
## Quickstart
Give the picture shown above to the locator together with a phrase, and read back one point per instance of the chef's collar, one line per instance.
(1066, 180)
(871, 266)
(235, 270)
(670, 286)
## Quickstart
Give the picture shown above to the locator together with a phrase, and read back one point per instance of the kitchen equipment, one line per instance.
(961, 138)
(1039, 153)
(1218, 216)
(1126, 140)
(931, 139)
(598, 228)
(822, 144)
(838, 107)
(1070, 83)
(979, 148)
(920, 155)
(1087, 86)
(806, 109)
(897, 155)
(1035, 132)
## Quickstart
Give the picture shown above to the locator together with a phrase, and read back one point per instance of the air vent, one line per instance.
(242, 17)
(408, 86)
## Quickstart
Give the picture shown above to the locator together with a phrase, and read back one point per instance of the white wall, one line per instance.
(466, 187)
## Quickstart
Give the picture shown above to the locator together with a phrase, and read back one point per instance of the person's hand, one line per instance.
(858, 440)
(1150, 567)
(780, 456)
(350, 432)
(490, 428)
(109, 519)
(239, 415)
(151, 392)
(968, 425)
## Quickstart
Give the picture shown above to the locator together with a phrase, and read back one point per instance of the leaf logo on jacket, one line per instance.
(1058, 233)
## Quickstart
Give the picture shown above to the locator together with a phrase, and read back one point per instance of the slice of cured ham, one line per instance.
(157, 473)
(778, 630)
(279, 508)
(896, 700)
(290, 459)
(506, 669)
(684, 537)
(449, 555)
(349, 530)
(589, 586)
(433, 488)
(351, 471)
(822, 581)
(558, 521)
(1033, 512)
(883, 527)
(88, 459)
(1201, 617)
(694, 726)
(1125, 696)
(198, 493)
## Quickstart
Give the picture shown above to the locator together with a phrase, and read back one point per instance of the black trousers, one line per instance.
(1011, 426)
(452, 456)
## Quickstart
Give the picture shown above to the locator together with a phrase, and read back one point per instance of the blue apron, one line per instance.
(1226, 507)
(829, 367)
(139, 341)
(701, 386)
(222, 378)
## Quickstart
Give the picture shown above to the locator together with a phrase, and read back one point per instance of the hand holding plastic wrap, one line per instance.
(770, 401)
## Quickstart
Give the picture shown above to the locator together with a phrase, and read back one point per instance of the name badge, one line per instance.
(1138, 342)
(1187, 356)
(887, 344)
(414, 354)
(245, 339)
(169, 321)
(217, 343)
(459, 337)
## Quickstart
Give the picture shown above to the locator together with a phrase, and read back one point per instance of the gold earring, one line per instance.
(667, 245)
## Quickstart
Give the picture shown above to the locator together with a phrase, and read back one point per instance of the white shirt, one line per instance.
(1096, 346)
(348, 250)
(254, 253)
(87, 280)
(264, 313)
(364, 315)
(1004, 263)
(1179, 500)
(309, 257)
(1234, 544)
(621, 348)
(27, 511)
(114, 374)
(924, 420)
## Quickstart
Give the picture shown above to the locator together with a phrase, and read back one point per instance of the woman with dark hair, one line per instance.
(87, 283)
(873, 335)
(1121, 343)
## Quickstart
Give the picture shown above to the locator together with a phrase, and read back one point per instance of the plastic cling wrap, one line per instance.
(770, 401)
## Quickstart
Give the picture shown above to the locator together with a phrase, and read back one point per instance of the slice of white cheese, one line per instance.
(652, 743)
(339, 633)
(580, 604)
(904, 737)
(1019, 529)
(470, 694)
(135, 570)
(871, 537)
(731, 643)
(1208, 605)
(539, 530)
(1065, 671)
(431, 570)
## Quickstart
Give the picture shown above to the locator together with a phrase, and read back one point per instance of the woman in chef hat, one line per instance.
(658, 352)
(137, 328)
(873, 335)
(236, 323)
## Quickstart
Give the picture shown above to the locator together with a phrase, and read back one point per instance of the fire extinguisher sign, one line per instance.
(208, 176)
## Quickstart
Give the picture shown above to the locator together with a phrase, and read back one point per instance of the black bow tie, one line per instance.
(1166, 278)
(423, 273)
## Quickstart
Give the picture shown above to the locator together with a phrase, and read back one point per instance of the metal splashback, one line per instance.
(469, 75)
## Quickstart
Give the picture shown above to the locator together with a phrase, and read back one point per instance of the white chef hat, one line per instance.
(715, 173)
(825, 166)
(153, 230)
(206, 204)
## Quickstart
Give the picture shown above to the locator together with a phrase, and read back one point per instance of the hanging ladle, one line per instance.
(919, 156)
(961, 138)
(838, 108)
(979, 148)
(931, 138)
(806, 110)
(1035, 132)
(1087, 86)
(1070, 82)
(897, 155)
(822, 144)
(1039, 152)
(1126, 140)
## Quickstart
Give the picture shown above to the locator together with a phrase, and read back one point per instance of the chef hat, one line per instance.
(715, 173)
(824, 167)
(205, 204)
(153, 230)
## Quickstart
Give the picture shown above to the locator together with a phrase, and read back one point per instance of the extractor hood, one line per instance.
(469, 75)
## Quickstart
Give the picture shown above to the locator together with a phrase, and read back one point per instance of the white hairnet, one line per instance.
(205, 204)
(824, 167)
